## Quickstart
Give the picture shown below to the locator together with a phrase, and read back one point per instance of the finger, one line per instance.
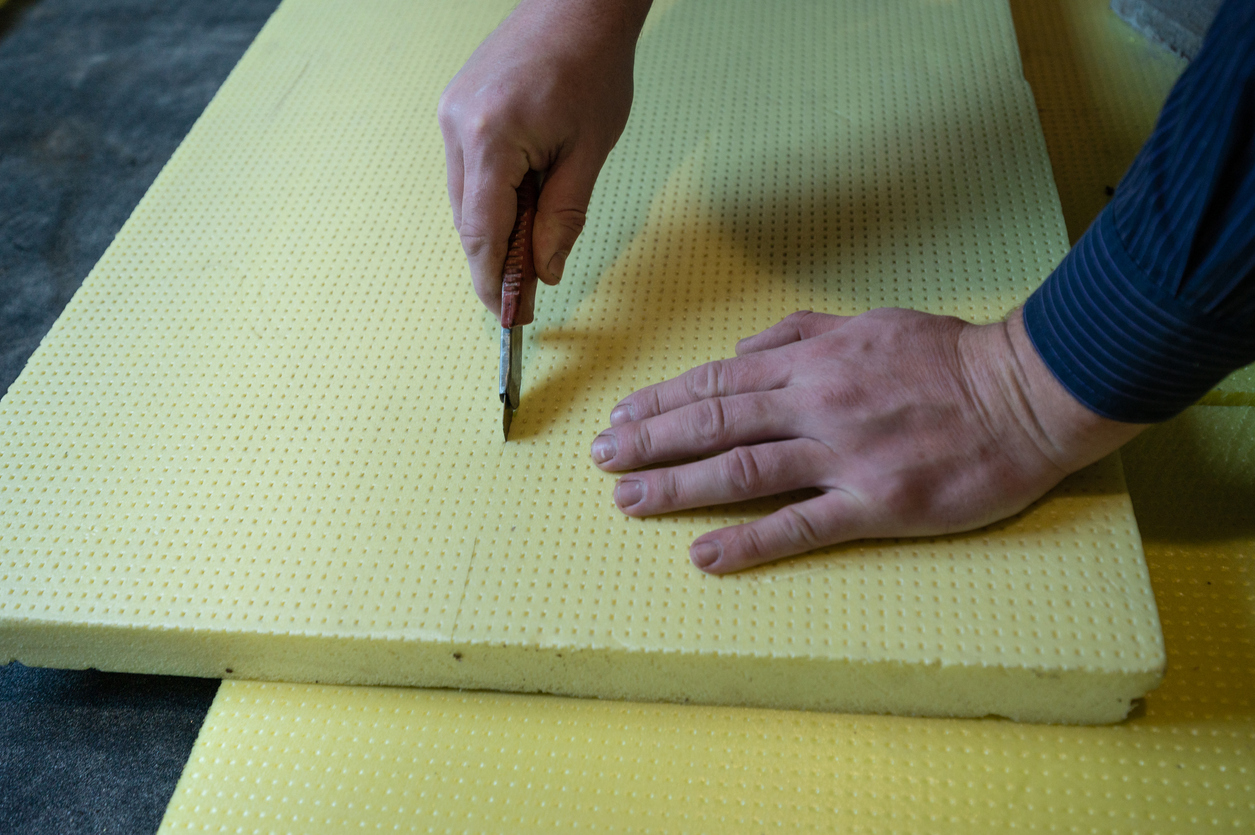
(747, 472)
(795, 327)
(562, 211)
(706, 426)
(834, 517)
(721, 378)
(453, 165)
(454, 179)
(489, 207)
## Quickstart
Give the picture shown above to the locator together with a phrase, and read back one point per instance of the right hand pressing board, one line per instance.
(908, 424)
(549, 90)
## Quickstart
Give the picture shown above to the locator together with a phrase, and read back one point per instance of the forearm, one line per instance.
(612, 23)
(1156, 302)
(1067, 432)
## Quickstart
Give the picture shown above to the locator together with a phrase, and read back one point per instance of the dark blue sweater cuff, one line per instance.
(1119, 343)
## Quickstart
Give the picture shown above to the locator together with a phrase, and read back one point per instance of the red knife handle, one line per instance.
(519, 272)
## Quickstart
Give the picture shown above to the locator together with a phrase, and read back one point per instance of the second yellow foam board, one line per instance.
(1099, 85)
(1238, 389)
(279, 758)
(263, 440)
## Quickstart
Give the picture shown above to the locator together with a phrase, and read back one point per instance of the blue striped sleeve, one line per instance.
(1156, 302)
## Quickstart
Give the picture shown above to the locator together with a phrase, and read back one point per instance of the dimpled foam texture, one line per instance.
(281, 758)
(1183, 764)
(1099, 86)
(297, 758)
(263, 441)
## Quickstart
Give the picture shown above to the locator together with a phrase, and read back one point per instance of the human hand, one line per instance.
(907, 423)
(549, 90)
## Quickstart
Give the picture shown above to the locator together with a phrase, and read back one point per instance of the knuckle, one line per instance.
(804, 323)
(811, 323)
(571, 220)
(705, 380)
(749, 547)
(742, 471)
(446, 111)
(710, 423)
(695, 382)
(466, 118)
(641, 442)
(473, 243)
(649, 403)
(479, 128)
(476, 240)
(801, 529)
(798, 317)
(664, 490)
(470, 122)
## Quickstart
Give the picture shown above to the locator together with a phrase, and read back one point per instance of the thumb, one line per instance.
(561, 211)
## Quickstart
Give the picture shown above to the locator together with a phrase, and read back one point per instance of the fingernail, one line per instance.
(704, 554)
(628, 492)
(557, 263)
(620, 414)
(604, 447)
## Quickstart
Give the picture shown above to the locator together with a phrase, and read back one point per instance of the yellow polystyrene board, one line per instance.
(1238, 389)
(1099, 85)
(263, 440)
(1193, 478)
(280, 758)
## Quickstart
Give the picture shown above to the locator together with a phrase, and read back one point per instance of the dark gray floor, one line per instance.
(84, 751)
(94, 97)
(1177, 24)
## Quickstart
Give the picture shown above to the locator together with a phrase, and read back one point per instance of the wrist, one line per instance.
(1065, 430)
(603, 24)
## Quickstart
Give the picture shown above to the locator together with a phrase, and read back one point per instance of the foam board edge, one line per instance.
(1026, 693)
